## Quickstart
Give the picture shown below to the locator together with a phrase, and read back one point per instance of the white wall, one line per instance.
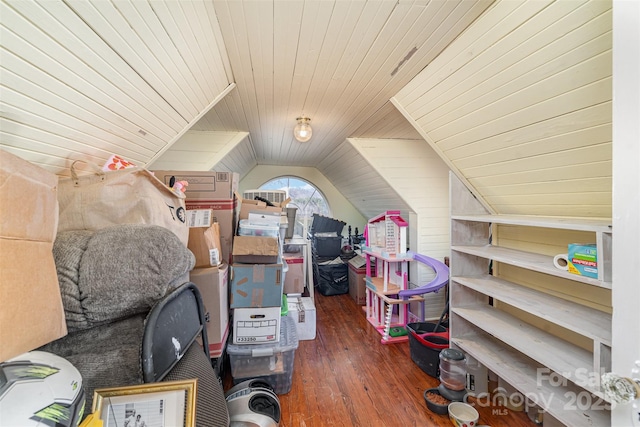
(626, 199)
(341, 208)
(421, 179)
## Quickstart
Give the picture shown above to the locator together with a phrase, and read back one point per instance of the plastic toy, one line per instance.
(180, 186)
(388, 297)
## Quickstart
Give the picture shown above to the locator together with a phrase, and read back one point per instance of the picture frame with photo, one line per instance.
(162, 404)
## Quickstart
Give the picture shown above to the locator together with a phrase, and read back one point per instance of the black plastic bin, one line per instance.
(425, 346)
(327, 246)
(323, 224)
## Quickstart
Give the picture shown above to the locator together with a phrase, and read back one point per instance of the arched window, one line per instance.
(306, 197)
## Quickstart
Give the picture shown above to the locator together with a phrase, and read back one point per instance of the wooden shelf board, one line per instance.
(567, 223)
(518, 371)
(583, 320)
(527, 260)
(559, 355)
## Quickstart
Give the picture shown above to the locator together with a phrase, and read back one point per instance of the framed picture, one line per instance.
(163, 404)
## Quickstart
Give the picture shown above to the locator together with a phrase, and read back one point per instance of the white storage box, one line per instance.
(271, 362)
(256, 325)
(303, 312)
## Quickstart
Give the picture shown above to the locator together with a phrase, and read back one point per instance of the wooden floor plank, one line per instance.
(346, 377)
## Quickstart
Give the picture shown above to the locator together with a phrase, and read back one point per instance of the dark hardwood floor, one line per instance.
(346, 377)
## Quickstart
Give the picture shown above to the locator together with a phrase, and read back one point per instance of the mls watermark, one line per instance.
(571, 399)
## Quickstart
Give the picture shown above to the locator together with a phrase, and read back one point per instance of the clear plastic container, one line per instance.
(247, 229)
(453, 369)
(271, 362)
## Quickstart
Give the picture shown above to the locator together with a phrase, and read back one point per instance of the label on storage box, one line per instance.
(199, 217)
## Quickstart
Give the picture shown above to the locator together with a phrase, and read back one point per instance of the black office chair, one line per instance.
(172, 351)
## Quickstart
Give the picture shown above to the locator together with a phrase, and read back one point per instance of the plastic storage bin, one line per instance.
(271, 362)
(425, 346)
(246, 229)
(327, 246)
(323, 224)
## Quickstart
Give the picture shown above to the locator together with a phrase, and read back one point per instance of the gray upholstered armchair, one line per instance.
(117, 285)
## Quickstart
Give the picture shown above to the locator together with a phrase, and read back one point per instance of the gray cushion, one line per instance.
(105, 356)
(117, 272)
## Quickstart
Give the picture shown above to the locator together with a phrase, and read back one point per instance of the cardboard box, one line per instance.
(268, 219)
(357, 275)
(225, 214)
(32, 313)
(255, 249)
(247, 206)
(203, 185)
(294, 279)
(256, 325)
(213, 284)
(256, 285)
(303, 311)
(583, 259)
(204, 243)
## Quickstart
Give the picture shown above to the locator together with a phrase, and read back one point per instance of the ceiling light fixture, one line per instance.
(303, 130)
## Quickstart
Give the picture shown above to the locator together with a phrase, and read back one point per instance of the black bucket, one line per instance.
(425, 345)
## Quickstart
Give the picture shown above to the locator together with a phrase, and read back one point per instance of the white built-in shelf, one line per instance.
(504, 342)
(528, 260)
(578, 318)
(565, 358)
(565, 402)
(566, 223)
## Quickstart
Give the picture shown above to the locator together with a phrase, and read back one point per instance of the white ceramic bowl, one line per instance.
(463, 415)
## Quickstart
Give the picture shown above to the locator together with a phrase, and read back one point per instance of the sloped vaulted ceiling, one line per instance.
(83, 80)
(514, 95)
(520, 107)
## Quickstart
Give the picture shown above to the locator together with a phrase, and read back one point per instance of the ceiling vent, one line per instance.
(274, 196)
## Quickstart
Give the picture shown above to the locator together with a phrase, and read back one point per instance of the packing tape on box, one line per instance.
(561, 261)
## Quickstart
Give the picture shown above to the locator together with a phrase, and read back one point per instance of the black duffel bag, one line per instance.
(332, 279)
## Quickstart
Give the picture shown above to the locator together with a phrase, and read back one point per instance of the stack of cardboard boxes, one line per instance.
(240, 273)
(212, 214)
(258, 274)
(264, 338)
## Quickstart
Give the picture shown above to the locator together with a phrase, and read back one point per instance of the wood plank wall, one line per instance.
(421, 179)
(83, 80)
(520, 107)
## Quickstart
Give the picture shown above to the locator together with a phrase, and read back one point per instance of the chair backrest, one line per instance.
(438, 282)
(171, 327)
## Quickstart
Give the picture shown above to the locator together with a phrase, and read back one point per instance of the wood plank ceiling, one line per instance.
(83, 80)
(514, 89)
(337, 62)
(520, 106)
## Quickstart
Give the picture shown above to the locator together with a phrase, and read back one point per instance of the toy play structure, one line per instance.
(388, 296)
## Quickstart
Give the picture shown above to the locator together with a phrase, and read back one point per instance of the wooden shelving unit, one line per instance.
(520, 353)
